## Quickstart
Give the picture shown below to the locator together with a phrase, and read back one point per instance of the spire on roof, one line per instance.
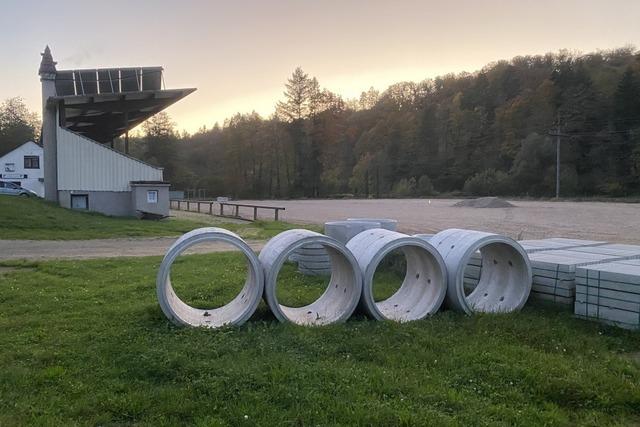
(47, 65)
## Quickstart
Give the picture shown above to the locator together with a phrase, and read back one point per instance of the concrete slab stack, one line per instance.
(555, 243)
(613, 249)
(472, 272)
(313, 259)
(554, 272)
(609, 293)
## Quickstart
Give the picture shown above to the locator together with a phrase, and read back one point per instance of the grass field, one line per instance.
(35, 219)
(86, 343)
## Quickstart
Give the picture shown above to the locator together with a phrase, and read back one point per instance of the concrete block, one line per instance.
(531, 246)
(567, 301)
(592, 311)
(343, 231)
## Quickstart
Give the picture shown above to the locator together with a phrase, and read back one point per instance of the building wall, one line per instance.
(31, 179)
(84, 164)
(115, 203)
(139, 198)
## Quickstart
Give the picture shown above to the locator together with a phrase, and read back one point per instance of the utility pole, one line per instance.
(558, 159)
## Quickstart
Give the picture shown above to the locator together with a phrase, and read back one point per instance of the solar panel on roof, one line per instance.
(129, 80)
(64, 83)
(105, 83)
(88, 82)
(151, 79)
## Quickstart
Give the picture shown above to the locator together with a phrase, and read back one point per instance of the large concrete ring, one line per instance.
(386, 223)
(505, 281)
(340, 298)
(425, 283)
(236, 312)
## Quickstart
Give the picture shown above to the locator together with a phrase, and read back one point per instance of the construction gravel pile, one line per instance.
(484, 202)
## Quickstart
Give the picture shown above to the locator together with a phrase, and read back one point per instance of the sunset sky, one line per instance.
(239, 53)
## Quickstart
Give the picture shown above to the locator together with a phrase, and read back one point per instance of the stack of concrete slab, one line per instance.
(313, 259)
(613, 249)
(609, 293)
(555, 243)
(554, 272)
(474, 268)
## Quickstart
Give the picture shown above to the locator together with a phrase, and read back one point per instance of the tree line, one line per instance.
(491, 132)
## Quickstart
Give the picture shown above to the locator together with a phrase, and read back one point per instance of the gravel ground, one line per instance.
(616, 222)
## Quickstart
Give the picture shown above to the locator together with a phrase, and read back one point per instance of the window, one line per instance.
(9, 167)
(152, 196)
(80, 201)
(31, 162)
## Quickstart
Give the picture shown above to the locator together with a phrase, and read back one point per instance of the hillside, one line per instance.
(481, 133)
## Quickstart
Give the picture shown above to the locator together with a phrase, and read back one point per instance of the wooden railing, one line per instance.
(179, 203)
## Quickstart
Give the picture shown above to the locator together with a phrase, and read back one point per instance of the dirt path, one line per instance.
(102, 248)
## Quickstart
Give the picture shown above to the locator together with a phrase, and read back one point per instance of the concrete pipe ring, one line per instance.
(236, 312)
(425, 283)
(386, 223)
(505, 279)
(338, 301)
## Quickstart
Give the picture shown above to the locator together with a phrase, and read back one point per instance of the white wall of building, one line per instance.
(12, 167)
(86, 165)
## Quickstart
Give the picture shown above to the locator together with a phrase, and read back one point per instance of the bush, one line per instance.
(488, 183)
(404, 188)
(425, 186)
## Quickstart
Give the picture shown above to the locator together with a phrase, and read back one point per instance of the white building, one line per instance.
(83, 111)
(23, 166)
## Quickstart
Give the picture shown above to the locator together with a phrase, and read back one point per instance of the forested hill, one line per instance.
(481, 133)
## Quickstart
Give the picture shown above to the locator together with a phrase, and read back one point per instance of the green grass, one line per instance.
(85, 343)
(213, 280)
(35, 219)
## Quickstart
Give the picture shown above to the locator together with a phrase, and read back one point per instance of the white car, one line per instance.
(11, 189)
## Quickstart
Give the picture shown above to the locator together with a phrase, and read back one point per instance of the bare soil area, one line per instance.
(615, 222)
(38, 250)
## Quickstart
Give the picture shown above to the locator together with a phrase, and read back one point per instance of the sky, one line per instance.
(238, 54)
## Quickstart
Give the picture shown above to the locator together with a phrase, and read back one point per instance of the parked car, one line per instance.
(11, 189)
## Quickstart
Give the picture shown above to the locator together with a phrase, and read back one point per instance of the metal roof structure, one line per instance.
(105, 103)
